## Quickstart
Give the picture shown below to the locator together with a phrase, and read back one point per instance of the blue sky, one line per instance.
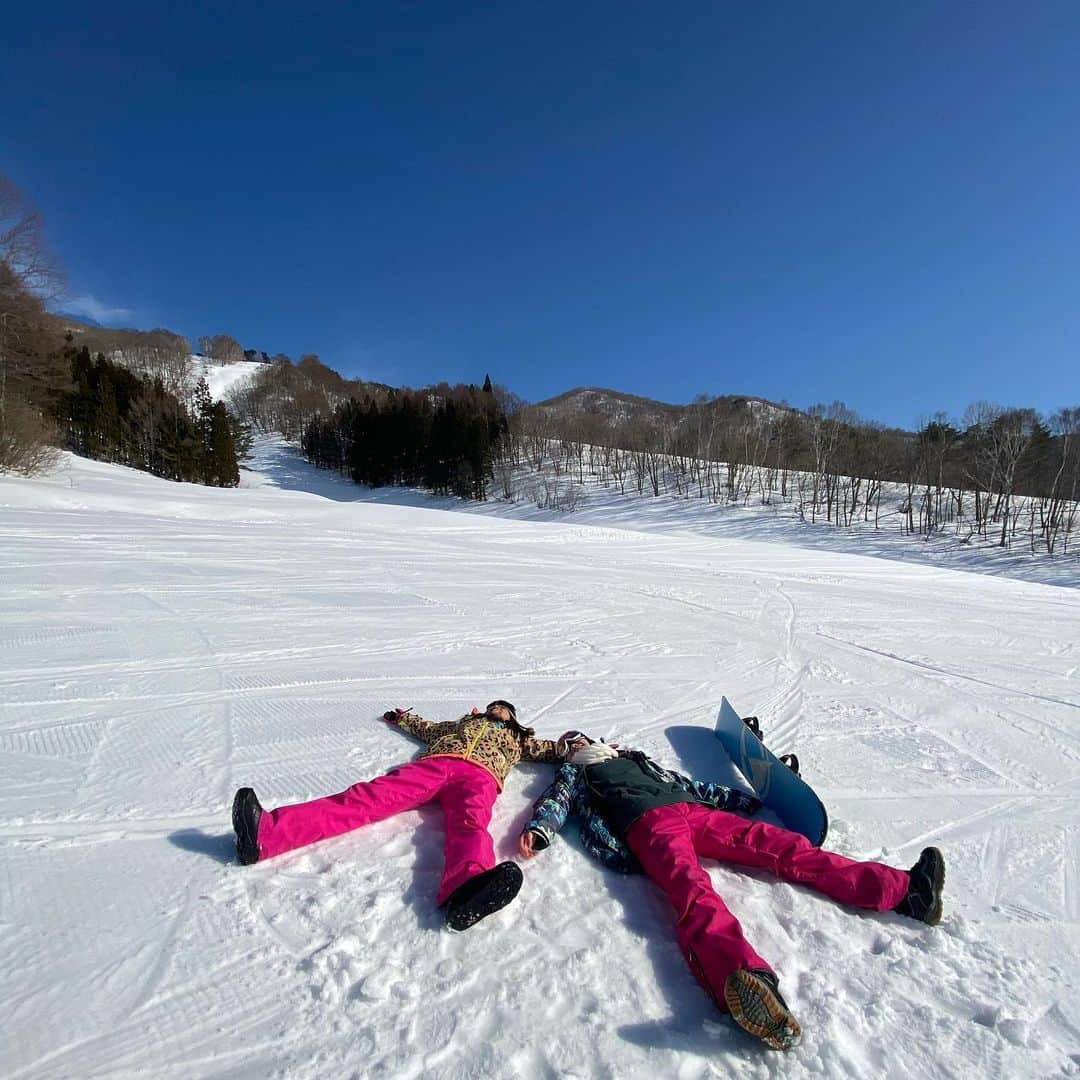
(866, 202)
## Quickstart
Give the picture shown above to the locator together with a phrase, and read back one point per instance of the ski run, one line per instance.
(163, 644)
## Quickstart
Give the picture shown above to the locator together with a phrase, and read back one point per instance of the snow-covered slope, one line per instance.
(223, 378)
(161, 644)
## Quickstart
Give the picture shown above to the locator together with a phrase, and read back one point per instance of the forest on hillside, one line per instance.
(981, 471)
(137, 406)
(445, 439)
(130, 396)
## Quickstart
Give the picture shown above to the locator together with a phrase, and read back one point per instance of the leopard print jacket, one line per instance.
(493, 745)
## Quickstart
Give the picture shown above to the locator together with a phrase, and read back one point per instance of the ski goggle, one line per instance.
(572, 737)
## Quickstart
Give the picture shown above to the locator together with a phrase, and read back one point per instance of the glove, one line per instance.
(739, 802)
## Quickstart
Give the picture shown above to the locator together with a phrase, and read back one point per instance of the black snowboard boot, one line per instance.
(246, 812)
(792, 762)
(754, 1001)
(923, 900)
(482, 895)
(752, 723)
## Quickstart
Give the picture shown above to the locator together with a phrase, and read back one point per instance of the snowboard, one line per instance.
(782, 791)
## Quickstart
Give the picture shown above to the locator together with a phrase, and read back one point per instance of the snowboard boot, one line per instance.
(754, 1001)
(752, 723)
(923, 900)
(482, 895)
(246, 812)
(792, 762)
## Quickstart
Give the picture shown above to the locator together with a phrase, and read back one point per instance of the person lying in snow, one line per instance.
(637, 816)
(464, 768)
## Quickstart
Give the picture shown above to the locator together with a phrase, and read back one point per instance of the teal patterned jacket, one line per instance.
(569, 796)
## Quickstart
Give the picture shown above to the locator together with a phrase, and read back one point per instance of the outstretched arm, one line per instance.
(413, 724)
(541, 750)
(550, 811)
(713, 794)
(723, 798)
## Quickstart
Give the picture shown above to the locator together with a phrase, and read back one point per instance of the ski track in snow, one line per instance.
(163, 644)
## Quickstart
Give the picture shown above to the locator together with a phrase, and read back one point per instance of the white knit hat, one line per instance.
(593, 754)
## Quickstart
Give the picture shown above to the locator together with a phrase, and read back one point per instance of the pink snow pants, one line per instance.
(466, 791)
(668, 840)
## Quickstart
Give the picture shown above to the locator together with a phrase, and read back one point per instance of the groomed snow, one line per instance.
(223, 378)
(162, 644)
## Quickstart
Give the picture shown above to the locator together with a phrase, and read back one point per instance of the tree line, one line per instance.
(997, 473)
(111, 414)
(442, 438)
(136, 403)
(29, 368)
(284, 397)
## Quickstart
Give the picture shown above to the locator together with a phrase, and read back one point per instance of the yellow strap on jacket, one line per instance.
(474, 737)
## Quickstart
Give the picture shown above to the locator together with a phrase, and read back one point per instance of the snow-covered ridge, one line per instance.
(222, 377)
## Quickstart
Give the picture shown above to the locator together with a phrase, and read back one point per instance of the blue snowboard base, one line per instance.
(788, 796)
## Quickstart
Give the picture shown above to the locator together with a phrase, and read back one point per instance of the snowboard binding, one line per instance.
(790, 760)
(754, 725)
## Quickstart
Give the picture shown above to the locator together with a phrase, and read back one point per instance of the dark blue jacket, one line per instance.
(569, 796)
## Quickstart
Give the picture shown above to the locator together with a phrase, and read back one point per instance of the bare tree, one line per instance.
(1060, 506)
(620, 464)
(23, 341)
(982, 464)
(881, 456)
(1008, 437)
(646, 446)
(824, 428)
(27, 439)
(30, 371)
(22, 244)
(221, 347)
(158, 355)
(934, 444)
(786, 443)
(536, 430)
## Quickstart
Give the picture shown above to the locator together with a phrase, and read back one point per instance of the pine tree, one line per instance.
(107, 430)
(204, 408)
(222, 468)
(442, 438)
(113, 414)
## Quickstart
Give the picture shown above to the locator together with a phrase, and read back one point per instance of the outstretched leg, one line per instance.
(467, 800)
(403, 788)
(732, 839)
(709, 935)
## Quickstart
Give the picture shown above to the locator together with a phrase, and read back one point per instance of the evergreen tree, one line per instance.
(221, 466)
(112, 414)
(107, 425)
(442, 438)
(204, 410)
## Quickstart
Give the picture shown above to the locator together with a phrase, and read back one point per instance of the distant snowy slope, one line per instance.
(162, 644)
(222, 378)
